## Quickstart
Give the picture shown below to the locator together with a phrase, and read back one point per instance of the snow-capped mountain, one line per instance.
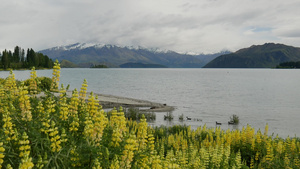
(87, 54)
(80, 46)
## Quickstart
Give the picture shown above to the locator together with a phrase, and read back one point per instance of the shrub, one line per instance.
(132, 113)
(181, 117)
(135, 114)
(169, 116)
(234, 119)
(43, 83)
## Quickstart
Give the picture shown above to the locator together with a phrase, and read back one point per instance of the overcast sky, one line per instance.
(201, 26)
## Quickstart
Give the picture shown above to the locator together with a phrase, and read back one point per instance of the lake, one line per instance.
(257, 96)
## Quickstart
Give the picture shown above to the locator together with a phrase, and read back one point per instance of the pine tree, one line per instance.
(16, 54)
(4, 59)
(23, 59)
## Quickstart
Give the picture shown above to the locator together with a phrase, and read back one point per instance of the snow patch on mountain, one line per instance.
(79, 46)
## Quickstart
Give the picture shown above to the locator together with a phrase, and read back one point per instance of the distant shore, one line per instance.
(110, 101)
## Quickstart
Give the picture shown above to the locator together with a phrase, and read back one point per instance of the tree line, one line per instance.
(18, 60)
(289, 65)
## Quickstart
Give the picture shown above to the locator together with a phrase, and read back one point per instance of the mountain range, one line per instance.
(87, 55)
(268, 55)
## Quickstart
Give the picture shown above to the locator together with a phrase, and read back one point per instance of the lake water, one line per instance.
(257, 96)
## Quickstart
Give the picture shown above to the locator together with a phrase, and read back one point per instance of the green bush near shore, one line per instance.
(135, 114)
(43, 83)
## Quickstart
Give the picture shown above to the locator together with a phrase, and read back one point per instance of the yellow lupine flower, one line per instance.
(100, 122)
(83, 89)
(156, 162)
(266, 129)
(55, 138)
(128, 152)
(2, 149)
(142, 133)
(55, 77)
(269, 154)
(10, 84)
(32, 82)
(96, 165)
(258, 137)
(122, 121)
(64, 107)
(151, 143)
(252, 163)
(8, 126)
(257, 156)
(92, 105)
(293, 147)
(115, 164)
(89, 128)
(25, 104)
(238, 160)
(279, 147)
(74, 157)
(116, 137)
(74, 124)
(73, 105)
(26, 163)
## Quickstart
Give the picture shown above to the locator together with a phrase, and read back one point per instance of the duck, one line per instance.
(218, 123)
(188, 118)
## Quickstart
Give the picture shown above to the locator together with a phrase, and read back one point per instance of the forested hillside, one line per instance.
(268, 55)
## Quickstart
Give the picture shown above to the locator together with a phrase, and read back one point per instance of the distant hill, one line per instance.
(141, 65)
(67, 64)
(257, 56)
(86, 55)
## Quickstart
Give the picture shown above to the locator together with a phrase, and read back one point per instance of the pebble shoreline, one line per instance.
(110, 101)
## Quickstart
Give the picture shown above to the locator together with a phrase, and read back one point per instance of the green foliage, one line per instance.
(2, 81)
(132, 113)
(234, 119)
(135, 114)
(169, 116)
(181, 117)
(99, 66)
(44, 83)
(17, 59)
(289, 65)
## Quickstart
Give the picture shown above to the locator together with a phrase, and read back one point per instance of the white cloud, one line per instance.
(184, 25)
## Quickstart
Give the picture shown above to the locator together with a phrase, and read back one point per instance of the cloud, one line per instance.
(185, 25)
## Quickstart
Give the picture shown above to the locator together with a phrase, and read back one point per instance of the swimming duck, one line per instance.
(218, 123)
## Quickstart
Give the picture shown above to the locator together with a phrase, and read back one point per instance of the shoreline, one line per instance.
(111, 101)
